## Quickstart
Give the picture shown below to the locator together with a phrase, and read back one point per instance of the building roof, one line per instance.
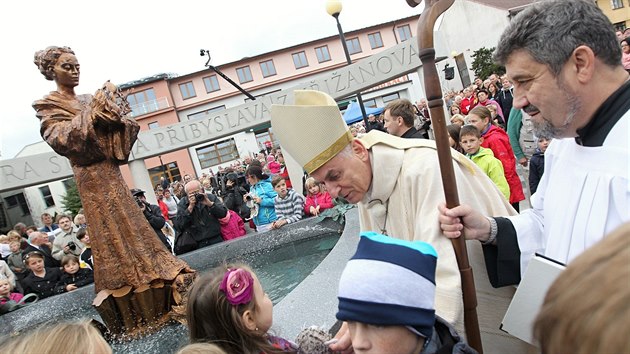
(307, 43)
(39, 147)
(146, 80)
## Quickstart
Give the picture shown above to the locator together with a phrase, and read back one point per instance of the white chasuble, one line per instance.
(404, 194)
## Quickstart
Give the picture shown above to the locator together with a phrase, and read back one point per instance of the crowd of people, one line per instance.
(506, 134)
(43, 262)
(485, 106)
(253, 193)
(624, 42)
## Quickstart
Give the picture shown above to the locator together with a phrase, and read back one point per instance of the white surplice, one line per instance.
(583, 195)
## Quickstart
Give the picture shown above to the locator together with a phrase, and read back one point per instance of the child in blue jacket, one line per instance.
(261, 196)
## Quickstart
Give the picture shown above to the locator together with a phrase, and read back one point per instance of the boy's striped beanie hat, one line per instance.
(390, 282)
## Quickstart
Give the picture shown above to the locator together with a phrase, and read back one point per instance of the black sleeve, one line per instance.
(239, 192)
(503, 261)
(154, 216)
(233, 199)
(27, 285)
(86, 278)
(535, 173)
(54, 274)
(228, 201)
(218, 210)
(61, 285)
(183, 220)
(65, 279)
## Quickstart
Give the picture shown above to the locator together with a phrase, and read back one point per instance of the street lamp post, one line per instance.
(163, 168)
(333, 7)
(203, 52)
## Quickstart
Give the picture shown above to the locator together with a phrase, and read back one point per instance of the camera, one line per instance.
(72, 246)
(140, 202)
(199, 197)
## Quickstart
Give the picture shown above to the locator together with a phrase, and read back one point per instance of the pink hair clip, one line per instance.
(238, 286)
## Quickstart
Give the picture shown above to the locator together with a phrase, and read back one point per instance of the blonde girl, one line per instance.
(458, 119)
(6, 293)
(201, 348)
(317, 200)
(496, 119)
(15, 236)
(76, 337)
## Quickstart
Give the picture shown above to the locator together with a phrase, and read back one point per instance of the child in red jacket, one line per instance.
(232, 226)
(316, 200)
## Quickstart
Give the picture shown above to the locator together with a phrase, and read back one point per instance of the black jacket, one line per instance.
(414, 133)
(156, 220)
(234, 198)
(203, 222)
(43, 287)
(505, 99)
(376, 125)
(536, 168)
(81, 278)
(446, 340)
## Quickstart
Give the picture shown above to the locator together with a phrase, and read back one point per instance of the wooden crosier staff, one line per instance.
(426, 52)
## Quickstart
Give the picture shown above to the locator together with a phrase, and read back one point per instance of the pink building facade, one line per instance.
(163, 99)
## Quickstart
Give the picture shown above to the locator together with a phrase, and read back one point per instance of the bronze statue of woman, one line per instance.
(133, 271)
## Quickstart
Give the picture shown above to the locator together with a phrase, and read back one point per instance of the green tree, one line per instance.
(71, 200)
(483, 65)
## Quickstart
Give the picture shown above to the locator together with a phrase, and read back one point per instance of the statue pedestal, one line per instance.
(129, 313)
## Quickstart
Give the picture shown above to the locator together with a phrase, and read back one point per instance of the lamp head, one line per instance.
(333, 7)
(203, 53)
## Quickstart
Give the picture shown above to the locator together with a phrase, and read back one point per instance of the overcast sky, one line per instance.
(127, 40)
